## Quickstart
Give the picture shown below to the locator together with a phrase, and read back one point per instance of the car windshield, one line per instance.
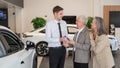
(71, 29)
(42, 31)
(36, 29)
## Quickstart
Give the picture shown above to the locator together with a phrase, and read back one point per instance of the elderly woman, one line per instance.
(100, 45)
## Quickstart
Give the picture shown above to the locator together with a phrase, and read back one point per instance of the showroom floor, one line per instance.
(39, 61)
(43, 62)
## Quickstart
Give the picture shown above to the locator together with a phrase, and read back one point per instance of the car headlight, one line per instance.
(25, 36)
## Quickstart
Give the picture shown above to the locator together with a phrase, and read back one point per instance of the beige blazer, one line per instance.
(101, 52)
(82, 47)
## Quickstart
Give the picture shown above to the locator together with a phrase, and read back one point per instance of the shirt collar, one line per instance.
(81, 29)
(57, 21)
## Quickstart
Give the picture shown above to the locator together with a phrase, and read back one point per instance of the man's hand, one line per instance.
(63, 39)
(65, 44)
(67, 54)
(71, 42)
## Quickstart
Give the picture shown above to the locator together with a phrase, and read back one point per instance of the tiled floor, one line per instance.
(45, 62)
(68, 63)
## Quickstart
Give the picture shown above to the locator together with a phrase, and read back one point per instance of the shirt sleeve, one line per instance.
(66, 32)
(49, 37)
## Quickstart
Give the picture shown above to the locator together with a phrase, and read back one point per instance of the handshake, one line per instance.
(66, 41)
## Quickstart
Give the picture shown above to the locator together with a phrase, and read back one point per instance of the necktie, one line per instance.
(60, 32)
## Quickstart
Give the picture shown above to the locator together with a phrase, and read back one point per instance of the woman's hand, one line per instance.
(91, 35)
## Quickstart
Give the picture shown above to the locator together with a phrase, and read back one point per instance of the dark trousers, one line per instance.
(80, 65)
(57, 57)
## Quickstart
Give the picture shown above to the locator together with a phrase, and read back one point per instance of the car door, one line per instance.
(26, 58)
(16, 55)
(7, 59)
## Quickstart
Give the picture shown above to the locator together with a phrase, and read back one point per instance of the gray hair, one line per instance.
(101, 29)
(83, 19)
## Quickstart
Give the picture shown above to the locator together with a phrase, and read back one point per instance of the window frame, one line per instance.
(71, 27)
(14, 37)
(3, 47)
(42, 31)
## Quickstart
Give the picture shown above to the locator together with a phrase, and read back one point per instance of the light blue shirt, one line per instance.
(52, 32)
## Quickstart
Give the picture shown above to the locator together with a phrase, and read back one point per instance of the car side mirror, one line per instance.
(29, 45)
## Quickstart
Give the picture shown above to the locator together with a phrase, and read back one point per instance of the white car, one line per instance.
(13, 53)
(114, 44)
(38, 37)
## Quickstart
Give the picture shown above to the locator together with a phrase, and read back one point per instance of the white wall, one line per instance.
(99, 5)
(42, 8)
(19, 19)
(11, 18)
(15, 20)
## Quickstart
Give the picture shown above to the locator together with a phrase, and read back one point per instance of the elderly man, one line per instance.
(81, 44)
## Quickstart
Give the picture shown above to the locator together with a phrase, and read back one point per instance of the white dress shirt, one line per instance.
(52, 32)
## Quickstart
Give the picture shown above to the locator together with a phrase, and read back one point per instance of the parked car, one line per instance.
(15, 54)
(114, 44)
(38, 37)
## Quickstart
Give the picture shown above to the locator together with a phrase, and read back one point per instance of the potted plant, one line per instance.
(90, 19)
(38, 22)
(89, 26)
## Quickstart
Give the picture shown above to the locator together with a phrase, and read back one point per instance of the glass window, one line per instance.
(72, 30)
(2, 50)
(13, 45)
(42, 31)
